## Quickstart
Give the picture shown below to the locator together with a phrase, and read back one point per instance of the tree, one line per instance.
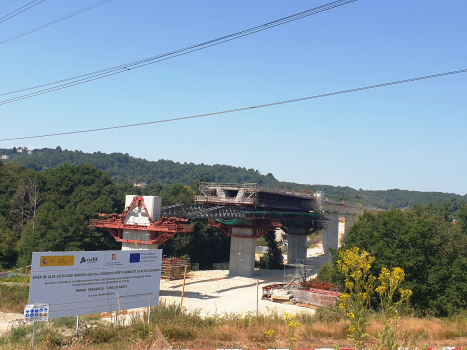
(178, 194)
(462, 216)
(205, 245)
(72, 196)
(273, 259)
(8, 240)
(25, 202)
(423, 242)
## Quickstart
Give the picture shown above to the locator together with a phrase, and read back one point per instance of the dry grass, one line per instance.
(189, 330)
(13, 298)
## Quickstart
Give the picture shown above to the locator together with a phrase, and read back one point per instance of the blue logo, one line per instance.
(135, 257)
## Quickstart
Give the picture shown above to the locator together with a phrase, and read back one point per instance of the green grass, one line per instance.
(13, 298)
(65, 322)
(16, 279)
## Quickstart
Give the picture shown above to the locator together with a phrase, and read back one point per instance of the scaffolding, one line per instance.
(251, 194)
(296, 274)
(174, 268)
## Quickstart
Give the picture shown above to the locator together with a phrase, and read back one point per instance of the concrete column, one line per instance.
(242, 253)
(349, 221)
(297, 244)
(331, 233)
(139, 236)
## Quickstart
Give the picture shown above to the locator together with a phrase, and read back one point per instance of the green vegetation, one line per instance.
(16, 279)
(423, 242)
(204, 245)
(189, 330)
(13, 297)
(123, 169)
(273, 259)
(48, 207)
(49, 211)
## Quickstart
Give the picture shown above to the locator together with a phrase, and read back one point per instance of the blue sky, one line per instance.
(410, 136)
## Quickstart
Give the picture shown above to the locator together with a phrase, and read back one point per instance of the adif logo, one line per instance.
(89, 260)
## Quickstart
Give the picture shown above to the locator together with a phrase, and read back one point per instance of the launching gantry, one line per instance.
(247, 211)
(243, 211)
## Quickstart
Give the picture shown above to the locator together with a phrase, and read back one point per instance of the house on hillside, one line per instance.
(4, 157)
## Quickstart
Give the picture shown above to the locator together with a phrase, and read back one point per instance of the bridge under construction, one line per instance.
(244, 212)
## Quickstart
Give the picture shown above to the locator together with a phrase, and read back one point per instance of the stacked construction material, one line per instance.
(174, 268)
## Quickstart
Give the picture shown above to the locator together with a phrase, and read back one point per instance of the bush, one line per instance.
(327, 314)
(325, 273)
(101, 334)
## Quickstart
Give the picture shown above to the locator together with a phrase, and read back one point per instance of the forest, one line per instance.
(124, 168)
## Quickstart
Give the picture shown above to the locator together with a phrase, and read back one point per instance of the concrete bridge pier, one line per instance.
(349, 221)
(242, 252)
(331, 233)
(297, 244)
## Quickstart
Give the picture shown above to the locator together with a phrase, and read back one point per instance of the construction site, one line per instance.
(244, 212)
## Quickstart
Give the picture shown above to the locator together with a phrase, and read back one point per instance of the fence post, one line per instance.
(34, 335)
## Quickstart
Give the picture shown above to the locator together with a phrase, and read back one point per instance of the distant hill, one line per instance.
(124, 168)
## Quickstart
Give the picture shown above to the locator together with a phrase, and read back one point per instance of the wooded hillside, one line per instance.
(50, 211)
(123, 168)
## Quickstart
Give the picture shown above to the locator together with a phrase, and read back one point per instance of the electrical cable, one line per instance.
(8, 14)
(54, 22)
(8, 3)
(247, 108)
(80, 79)
(13, 14)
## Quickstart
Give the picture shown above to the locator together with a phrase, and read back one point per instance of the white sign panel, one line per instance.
(81, 283)
(36, 312)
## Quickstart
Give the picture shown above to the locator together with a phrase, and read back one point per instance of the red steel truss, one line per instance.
(160, 231)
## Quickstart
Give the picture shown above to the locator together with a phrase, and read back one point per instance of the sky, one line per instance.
(410, 136)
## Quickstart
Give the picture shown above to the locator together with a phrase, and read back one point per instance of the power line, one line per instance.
(8, 4)
(13, 14)
(8, 14)
(247, 108)
(54, 22)
(84, 78)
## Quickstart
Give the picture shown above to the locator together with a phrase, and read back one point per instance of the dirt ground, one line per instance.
(214, 291)
(7, 320)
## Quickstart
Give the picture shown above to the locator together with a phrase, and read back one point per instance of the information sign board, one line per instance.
(36, 312)
(80, 283)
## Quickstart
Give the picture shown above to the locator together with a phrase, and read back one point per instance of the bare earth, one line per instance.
(6, 321)
(214, 292)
